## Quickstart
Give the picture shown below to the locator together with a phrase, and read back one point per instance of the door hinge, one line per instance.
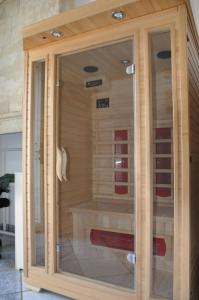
(131, 257)
(58, 248)
(130, 70)
(59, 83)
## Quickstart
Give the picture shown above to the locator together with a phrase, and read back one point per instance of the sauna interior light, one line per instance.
(118, 15)
(125, 62)
(90, 69)
(56, 34)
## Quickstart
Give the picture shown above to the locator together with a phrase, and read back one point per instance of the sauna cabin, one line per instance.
(111, 152)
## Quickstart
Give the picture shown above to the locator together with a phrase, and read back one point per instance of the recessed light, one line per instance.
(56, 34)
(118, 15)
(125, 62)
(165, 54)
(90, 69)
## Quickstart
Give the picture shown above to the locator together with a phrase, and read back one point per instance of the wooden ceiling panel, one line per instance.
(90, 17)
(139, 9)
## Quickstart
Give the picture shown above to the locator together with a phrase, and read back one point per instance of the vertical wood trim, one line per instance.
(148, 205)
(30, 165)
(137, 159)
(57, 144)
(193, 79)
(52, 194)
(45, 187)
(184, 212)
(24, 164)
(175, 161)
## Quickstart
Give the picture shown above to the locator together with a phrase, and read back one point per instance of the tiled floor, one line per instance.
(98, 263)
(10, 283)
(10, 286)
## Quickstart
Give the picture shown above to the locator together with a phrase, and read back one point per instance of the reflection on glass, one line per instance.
(163, 205)
(38, 247)
(96, 214)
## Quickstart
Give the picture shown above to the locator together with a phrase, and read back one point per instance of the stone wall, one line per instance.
(195, 10)
(14, 15)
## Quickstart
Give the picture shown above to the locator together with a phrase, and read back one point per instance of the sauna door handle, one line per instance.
(64, 163)
(59, 164)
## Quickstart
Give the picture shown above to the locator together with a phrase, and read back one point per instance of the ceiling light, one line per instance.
(165, 54)
(118, 15)
(56, 34)
(125, 62)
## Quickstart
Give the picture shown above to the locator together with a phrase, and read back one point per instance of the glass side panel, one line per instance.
(163, 172)
(96, 198)
(38, 249)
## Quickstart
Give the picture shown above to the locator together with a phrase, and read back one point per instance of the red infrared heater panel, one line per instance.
(123, 241)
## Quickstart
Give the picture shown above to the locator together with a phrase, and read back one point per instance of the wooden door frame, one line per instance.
(29, 214)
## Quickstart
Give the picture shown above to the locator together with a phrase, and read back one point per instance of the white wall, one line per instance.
(10, 153)
(14, 15)
(19, 247)
(195, 10)
(10, 162)
(68, 4)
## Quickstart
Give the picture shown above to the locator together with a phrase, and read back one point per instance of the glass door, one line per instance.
(163, 164)
(37, 170)
(95, 165)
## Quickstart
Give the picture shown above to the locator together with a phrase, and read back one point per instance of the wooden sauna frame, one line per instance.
(82, 32)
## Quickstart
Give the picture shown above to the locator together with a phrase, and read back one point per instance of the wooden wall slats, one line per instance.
(75, 135)
(105, 121)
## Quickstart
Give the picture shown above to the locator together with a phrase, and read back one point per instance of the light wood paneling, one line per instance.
(193, 74)
(90, 17)
(182, 170)
(24, 163)
(119, 116)
(75, 135)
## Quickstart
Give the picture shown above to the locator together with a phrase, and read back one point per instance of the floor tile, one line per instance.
(10, 286)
